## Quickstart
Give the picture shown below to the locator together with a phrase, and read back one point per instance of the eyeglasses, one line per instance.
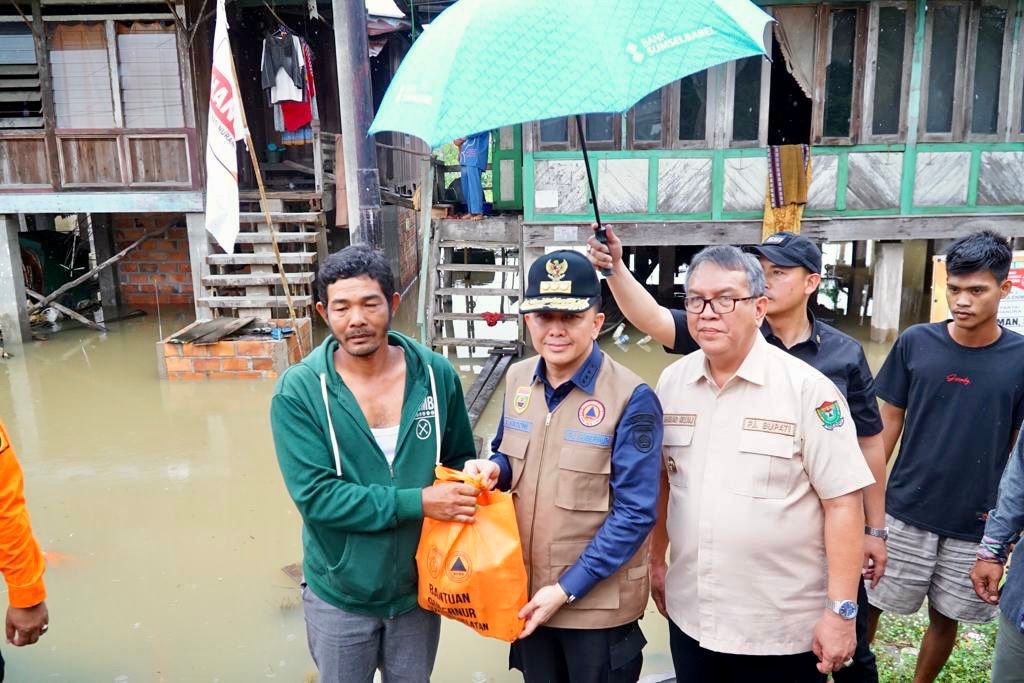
(720, 304)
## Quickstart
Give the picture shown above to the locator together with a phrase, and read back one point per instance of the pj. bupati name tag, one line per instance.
(757, 424)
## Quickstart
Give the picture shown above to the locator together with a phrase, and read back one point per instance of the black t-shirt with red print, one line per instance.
(963, 406)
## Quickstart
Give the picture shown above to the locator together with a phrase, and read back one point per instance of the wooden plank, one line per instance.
(18, 70)
(279, 217)
(46, 88)
(282, 238)
(234, 325)
(477, 244)
(302, 259)
(186, 201)
(257, 279)
(486, 230)
(474, 317)
(18, 82)
(196, 330)
(477, 268)
(466, 341)
(491, 376)
(20, 96)
(476, 291)
(287, 195)
(256, 301)
(74, 315)
(22, 122)
(699, 233)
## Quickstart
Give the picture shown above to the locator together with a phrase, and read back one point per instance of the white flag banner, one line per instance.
(224, 129)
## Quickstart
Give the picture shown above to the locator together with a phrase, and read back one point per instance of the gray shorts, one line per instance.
(922, 563)
(350, 648)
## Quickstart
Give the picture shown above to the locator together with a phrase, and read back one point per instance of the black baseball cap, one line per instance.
(788, 250)
(561, 281)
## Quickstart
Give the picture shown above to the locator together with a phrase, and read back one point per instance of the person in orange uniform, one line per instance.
(21, 561)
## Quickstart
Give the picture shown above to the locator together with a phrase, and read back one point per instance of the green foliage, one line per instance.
(899, 637)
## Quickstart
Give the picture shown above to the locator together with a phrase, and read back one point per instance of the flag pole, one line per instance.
(266, 212)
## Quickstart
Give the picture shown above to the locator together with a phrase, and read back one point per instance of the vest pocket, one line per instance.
(763, 467)
(604, 595)
(514, 445)
(583, 479)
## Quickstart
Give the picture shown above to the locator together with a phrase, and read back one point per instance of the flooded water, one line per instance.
(167, 522)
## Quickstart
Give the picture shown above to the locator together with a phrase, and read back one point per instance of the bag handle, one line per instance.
(443, 473)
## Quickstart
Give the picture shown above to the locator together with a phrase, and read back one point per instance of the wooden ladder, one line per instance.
(454, 308)
(247, 284)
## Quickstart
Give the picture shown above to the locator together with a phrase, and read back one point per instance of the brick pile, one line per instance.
(241, 358)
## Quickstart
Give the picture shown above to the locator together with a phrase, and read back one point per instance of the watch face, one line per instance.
(847, 609)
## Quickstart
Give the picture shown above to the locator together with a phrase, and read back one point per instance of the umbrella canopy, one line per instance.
(484, 64)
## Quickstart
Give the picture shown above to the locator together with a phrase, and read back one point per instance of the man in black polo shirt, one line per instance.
(792, 266)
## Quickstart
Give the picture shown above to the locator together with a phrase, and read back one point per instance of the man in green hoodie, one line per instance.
(359, 426)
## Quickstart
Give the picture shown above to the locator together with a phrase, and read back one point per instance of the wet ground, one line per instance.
(167, 523)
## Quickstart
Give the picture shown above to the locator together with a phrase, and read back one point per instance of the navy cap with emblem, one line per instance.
(560, 281)
(789, 251)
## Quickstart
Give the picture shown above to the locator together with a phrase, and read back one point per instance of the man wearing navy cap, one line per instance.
(792, 268)
(579, 445)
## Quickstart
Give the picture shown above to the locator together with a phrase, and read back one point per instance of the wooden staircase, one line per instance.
(475, 269)
(246, 283)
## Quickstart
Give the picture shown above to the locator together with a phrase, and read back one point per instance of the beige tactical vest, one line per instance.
(561, 467)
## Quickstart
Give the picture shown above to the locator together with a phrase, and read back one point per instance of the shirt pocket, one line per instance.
(514, 445)
(584, 475)
(763, 466)
(676, 445)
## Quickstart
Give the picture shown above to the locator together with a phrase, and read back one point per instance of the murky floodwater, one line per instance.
(168, 522)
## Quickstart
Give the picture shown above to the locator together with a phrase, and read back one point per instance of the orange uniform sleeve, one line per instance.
(21, 561)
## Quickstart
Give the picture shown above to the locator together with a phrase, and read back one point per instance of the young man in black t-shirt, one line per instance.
(955, 390)
(792, 266)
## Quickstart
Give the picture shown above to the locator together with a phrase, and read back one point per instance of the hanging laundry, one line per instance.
(282, 67)
(789, 177)
(296, 115)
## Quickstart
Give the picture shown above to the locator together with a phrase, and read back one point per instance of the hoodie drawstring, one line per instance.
(330, 425)
(437, 415)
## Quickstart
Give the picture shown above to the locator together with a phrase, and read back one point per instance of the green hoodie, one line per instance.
(361, 518)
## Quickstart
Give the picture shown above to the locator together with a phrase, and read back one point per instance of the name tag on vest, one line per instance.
(517, 425)
(757, 424)
(588, 438)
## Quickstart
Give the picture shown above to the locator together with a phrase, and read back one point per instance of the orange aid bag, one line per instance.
(474, 573)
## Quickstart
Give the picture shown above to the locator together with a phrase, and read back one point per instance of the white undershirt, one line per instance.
(387, 439)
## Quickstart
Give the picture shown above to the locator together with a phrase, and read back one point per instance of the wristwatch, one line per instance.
(847, 609)
(882, 533)
(569, 597)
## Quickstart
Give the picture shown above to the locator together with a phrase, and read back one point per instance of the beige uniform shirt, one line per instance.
(748, 466)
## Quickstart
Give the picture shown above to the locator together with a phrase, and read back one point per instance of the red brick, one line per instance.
(262, 364)
(234, 364)
(175, 364)
(128, 267)
(253, 348)
(172, 350)
(196, 350)
(269, 375)
(224, 348)
(207, 364)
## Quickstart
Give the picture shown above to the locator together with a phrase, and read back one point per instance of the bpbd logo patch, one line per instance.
(591, 413)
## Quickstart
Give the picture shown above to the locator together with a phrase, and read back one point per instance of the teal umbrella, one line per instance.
(484, 64)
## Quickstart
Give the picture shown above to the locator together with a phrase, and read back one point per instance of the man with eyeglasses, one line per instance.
(761, 495)
(792, 267)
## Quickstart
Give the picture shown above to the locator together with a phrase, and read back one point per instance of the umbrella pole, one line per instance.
(599, 231)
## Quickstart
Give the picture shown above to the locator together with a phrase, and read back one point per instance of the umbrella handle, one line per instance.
(599, 232)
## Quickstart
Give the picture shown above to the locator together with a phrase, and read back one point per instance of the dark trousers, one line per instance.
(863, 669)
(571, 655)
(694, 664)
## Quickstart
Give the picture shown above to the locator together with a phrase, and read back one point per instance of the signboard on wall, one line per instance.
(1011, 310)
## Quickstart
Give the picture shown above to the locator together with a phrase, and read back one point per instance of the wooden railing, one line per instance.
(122, 159)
